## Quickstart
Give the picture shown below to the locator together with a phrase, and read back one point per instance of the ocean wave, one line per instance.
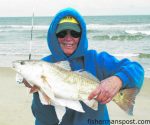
(7, 28)
(144, 55)
(44, 54)
(24, 54)
(100, 27)
(127, 55)
(41, 36)
(138, 32)
(90, 27)
(121, 37)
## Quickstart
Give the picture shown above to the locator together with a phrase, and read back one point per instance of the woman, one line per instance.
(67, 40)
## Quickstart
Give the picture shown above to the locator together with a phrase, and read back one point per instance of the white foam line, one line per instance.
(126, 55)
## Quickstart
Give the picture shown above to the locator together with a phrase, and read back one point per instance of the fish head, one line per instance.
(28, 68)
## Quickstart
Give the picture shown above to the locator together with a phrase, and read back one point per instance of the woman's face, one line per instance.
(68, 40)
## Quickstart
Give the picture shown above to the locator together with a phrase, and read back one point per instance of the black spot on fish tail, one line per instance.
(121, 94)
(125, 99)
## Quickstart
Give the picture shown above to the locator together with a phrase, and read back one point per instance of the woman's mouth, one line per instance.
(68, 44)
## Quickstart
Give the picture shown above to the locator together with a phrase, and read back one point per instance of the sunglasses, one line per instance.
(63, 33)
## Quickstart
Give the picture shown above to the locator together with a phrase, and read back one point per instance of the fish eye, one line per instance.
(22, 62)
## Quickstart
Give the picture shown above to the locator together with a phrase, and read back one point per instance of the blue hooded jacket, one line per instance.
(102, 65)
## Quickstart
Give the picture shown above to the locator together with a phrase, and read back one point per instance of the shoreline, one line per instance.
(15, 102)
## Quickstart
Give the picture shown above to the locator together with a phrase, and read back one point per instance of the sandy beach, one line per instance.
(15, 102)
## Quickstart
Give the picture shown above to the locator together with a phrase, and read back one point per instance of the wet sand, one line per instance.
(15, 102)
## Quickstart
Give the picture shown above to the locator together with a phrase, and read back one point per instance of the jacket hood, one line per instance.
(52, 40)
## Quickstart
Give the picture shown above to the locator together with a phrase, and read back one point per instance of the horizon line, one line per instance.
(82, 15)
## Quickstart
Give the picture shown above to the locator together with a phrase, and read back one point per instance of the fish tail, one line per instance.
(125, 99)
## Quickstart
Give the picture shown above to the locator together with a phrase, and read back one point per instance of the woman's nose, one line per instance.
(68, 37)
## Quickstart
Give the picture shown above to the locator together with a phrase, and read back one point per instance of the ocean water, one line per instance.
(122, 36)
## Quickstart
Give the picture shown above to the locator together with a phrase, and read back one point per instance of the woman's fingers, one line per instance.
(26, 84)
(107, 89)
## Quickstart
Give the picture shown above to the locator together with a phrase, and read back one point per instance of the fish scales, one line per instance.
(78, 81)
(84, 85)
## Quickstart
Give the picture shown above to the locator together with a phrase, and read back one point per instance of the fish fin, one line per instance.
(60, 112)
(57, 101)
(46, 93)
(63, 64)
(91, 103)
(87, 75)
(45, 100)
(46, 88)
(75, 105)
(125, 99)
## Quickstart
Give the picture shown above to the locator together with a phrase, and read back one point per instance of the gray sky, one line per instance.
(85, 7)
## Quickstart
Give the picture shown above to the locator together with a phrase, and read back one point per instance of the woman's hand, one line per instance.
(106, 90)
(26, 83)
(32, 88)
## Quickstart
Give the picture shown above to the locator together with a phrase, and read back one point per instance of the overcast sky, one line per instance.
(85, 7)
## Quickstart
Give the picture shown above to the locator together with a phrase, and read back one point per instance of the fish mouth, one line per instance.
(16, 70)
(15, 65)
(17, 62)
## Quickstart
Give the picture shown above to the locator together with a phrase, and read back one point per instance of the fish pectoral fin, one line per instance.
(125, 99)
(46, 88)
(45, 100)
(60, 112)
(91, 103)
